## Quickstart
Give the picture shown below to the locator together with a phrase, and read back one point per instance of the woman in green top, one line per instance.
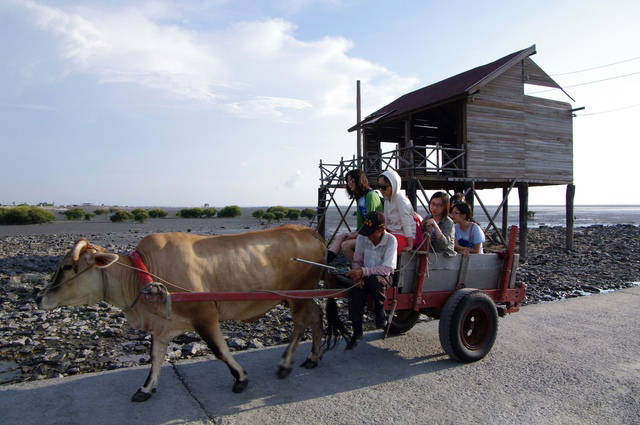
(367, 200)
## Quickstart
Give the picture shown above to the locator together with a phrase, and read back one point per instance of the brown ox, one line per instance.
(245, 262)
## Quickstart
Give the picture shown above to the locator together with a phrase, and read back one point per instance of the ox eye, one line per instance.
(66, 267)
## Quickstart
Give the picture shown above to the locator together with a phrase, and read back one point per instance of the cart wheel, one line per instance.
(468, 325)
(403, 320)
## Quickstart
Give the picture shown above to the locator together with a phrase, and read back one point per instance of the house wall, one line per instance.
(549, 140)
(512, 136)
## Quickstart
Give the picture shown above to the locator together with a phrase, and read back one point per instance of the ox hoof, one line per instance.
(239, 386)
(309, 364)
(140, 396)
(283, 372)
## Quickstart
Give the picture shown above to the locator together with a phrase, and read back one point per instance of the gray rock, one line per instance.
(237, 343)
(192, 348)
(10, 376)
(7, 366)
(255, 343)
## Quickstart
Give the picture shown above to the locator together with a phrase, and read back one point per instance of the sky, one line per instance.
(182, 103)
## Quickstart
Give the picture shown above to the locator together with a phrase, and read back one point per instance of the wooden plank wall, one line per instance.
(495, 128)
(549, 145)
(510, 135)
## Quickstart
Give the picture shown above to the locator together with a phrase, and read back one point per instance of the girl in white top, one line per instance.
(398, 212)
(469, 236)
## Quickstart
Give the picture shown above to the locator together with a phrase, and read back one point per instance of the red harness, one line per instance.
(143, 273)
(155, 293)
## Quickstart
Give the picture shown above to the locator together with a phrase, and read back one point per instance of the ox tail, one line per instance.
(335, 327)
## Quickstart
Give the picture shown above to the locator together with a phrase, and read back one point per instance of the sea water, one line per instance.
(540, 215)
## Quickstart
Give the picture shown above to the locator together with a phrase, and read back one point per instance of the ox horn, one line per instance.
(81, 245)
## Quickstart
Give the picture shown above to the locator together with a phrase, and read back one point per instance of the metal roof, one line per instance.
(454, 87)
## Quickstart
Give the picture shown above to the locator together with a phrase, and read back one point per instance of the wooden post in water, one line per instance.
(505, 212)
(523, 193)
(571, 191)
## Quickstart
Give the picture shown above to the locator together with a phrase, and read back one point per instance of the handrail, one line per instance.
(429, 159)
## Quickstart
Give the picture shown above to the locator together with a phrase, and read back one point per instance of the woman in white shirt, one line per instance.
(398, 212)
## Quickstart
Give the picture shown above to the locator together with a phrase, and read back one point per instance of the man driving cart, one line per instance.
(374, 260)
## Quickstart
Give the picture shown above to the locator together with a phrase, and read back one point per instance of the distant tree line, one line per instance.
(228, 211)
(278, 213)
(26, 214)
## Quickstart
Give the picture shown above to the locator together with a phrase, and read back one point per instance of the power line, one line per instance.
(610, 110)
(596, 67)
(590, 82)
(604, 79)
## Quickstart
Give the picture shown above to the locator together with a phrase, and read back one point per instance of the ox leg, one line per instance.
(158, 353)
(304, 313)
(212, 335)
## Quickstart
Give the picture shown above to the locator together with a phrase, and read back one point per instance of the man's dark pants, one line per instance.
(374, 285)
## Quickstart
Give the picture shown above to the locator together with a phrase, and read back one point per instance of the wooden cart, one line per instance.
(466, 293)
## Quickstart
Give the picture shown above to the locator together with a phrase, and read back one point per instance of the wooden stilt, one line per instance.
(505, 211)
(412, 187)
(469, 189)
(523, 192)
(571, 191)
(322, 208)
(412, 193)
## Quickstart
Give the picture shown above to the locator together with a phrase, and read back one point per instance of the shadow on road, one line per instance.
(373, 362)
(105, 397)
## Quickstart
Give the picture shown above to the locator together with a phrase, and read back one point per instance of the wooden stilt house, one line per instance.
(475, 130)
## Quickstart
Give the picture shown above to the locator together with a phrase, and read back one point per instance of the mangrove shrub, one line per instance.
(74, 214)
(157, 213)
(309, 213)
(209, 212)
(140, 215)
(190, 213)
(293, 214)
(121, 215)
(25, 215)
(230, 211)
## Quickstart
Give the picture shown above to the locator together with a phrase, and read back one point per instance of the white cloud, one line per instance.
(294, 181)
(268, 107)
(254, 69)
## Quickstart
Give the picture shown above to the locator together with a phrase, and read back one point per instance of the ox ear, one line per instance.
(104, 259)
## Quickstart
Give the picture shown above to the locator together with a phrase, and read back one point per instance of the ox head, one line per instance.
(78, 279)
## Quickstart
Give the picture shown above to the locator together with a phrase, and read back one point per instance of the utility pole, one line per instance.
(358, 131)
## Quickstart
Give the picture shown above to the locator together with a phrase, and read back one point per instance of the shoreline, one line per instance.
(37, 344)
(544, 216)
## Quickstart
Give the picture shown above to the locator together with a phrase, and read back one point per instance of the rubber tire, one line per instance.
(403, 321)
(467, 307)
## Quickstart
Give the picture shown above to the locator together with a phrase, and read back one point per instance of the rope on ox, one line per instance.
(335, 328)
(268, 291)
(153, 289)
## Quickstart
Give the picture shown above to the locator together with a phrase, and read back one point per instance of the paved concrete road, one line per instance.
(574, 361)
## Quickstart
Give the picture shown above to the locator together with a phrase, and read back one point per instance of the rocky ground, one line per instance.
(37, 344)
